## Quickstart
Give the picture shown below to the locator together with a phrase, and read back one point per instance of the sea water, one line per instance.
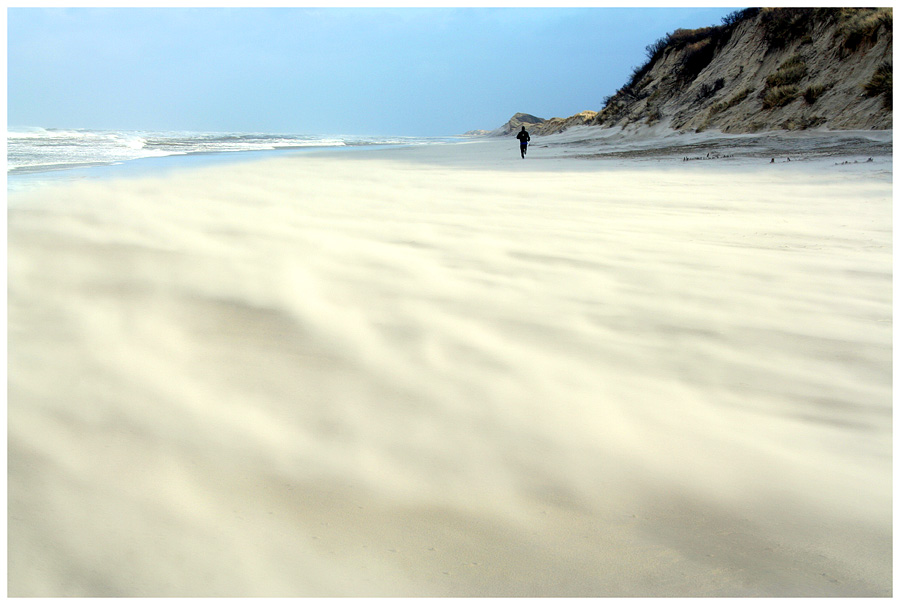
(38, 155)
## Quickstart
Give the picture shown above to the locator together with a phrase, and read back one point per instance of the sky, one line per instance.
(367, 71)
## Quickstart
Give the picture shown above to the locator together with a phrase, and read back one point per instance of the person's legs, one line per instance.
(523, 148)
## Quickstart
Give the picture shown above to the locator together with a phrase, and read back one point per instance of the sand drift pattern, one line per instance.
(433, 380)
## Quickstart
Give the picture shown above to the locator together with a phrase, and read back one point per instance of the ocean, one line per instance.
(36, 155)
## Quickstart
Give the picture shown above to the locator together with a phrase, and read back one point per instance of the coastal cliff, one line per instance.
(762, 69)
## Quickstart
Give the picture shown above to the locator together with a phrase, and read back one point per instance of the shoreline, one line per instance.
(583, 143)
(25, 179)
(447, 371)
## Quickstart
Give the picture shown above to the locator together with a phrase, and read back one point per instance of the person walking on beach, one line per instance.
(523, 137)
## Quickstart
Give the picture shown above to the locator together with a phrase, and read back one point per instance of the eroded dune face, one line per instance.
(380, 375)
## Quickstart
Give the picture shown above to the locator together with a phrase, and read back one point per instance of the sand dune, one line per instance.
(445, 371)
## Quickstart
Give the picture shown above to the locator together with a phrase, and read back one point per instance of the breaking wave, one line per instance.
(37, 149)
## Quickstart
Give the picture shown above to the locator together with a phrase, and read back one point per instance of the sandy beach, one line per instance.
(601, 371)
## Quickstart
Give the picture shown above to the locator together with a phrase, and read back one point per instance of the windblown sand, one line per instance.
(450, 372)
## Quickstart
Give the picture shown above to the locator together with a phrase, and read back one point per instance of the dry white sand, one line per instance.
(446, 371)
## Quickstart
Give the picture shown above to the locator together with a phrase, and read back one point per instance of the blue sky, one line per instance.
(403, 71)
